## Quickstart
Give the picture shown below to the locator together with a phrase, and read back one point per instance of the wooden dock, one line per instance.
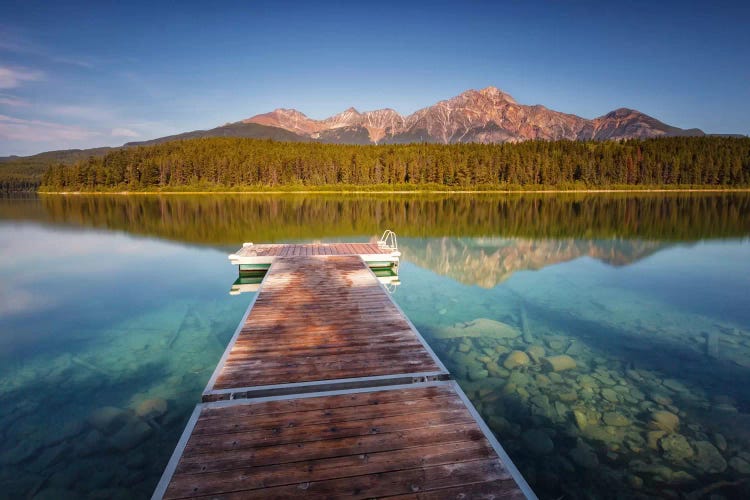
(327, 390)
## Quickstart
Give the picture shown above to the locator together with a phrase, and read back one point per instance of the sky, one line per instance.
(87, 74)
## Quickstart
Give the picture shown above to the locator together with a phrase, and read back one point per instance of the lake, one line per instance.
(114, 311)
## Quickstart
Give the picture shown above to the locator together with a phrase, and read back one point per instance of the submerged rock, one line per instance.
(653, 437)
(664, 420)
(675, 385)
(580, 419)
(55, 494)
(496, 371)
(537, 442)
(536, 353)
(739, 465)
(615, 419)
(583, 456)
(635, 482)
(610, 395)
(558, 363)
(605, 433)
(92, 443)
(516, 359)
(720, 441)
(708, 459)
(567, 397)
(676, 447)
(557, 344)
(656, 470)
(151, 408)
(130, 435)
(24, 450)
(108, 419)
(481, 327)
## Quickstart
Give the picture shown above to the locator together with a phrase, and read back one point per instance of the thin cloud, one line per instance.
(10, 100)
(124, 132)
(11, 78)
(85, 112)
(19, 44)
(20, 129)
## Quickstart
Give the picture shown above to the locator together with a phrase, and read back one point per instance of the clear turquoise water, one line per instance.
(113, 314)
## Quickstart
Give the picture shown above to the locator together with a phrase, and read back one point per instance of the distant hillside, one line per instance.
(24, 173)
(239, 129)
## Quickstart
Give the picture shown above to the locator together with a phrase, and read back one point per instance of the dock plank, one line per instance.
(321, 317)
(358, 445)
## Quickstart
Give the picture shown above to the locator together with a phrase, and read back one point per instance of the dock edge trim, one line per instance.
(166, 477)
(374, 381)
(232, 341)
(512, 469)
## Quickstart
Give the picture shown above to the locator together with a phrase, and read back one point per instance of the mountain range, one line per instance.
(486, 116)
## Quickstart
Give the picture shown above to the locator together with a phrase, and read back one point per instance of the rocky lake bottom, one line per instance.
(635, 400)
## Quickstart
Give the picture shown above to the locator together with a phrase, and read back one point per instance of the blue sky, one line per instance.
(78, 74)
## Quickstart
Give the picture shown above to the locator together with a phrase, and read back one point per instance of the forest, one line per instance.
(247, 164)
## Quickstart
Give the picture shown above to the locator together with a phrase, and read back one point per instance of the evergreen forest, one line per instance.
(251, 164)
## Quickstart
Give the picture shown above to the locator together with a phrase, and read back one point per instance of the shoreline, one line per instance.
(415, 191)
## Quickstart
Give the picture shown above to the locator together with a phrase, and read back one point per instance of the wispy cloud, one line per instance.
(10, 100)
(20, 129)
(85, 112)
(124, 132)
(13, 41)
(11, 78)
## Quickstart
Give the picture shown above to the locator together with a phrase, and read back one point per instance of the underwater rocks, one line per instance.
(597, 424)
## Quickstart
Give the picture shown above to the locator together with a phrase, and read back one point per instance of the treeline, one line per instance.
(247, 163)
(10, 183)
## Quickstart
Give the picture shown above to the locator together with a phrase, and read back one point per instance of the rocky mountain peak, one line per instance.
(495, 93)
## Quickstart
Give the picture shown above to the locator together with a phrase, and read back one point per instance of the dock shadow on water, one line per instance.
(604, 339)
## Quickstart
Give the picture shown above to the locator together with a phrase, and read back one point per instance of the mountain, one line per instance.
(487, 115)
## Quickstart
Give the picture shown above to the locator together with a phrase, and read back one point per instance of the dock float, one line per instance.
(327, 390)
